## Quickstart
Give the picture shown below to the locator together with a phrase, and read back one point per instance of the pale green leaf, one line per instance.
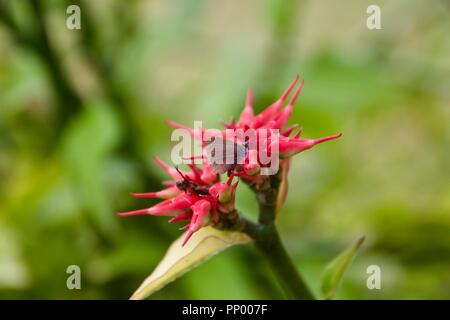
(178, 259)
(335, 270)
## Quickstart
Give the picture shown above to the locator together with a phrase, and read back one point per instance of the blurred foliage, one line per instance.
(82, 111)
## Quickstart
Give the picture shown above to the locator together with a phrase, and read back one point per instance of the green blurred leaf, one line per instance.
(88, 143)
(335, 270)
(178, 260)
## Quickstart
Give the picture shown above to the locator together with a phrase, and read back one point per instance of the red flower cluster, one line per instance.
(199, 196)
(192, 196)
(270, 131)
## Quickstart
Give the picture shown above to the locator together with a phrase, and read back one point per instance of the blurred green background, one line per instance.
(83, 111)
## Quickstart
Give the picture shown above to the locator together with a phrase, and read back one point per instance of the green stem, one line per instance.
(268, 241)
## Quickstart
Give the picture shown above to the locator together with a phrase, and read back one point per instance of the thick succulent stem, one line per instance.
(268, 241)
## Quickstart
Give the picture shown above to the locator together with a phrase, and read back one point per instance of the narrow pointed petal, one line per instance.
(150, 195)
(291, 146)
(175, 205)
(230, 125)
(184, 216)
(283, 117)
(249, 99)
(168, 183)
(296, 94)
(198, 134)
(208, 175)
(200, 211)
(172, 172)
(298, 134)
(288, 131)
(247, 114)
(320, 140)
(186, 227)
(196, 174)
(188, 236)
(163, 194)
(289, 89)
(269, 112)
(133, 213)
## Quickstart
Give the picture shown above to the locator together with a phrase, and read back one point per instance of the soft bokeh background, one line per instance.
(82, 112)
